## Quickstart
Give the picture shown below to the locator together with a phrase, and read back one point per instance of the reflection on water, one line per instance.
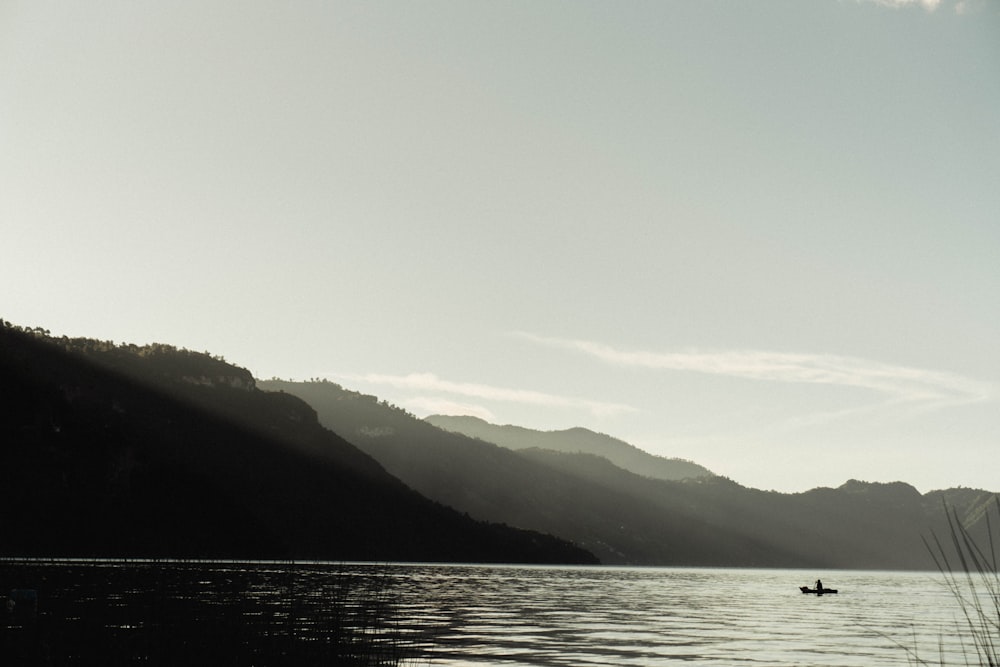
(354, 614)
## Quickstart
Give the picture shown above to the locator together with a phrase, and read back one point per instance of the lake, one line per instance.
(219, 613)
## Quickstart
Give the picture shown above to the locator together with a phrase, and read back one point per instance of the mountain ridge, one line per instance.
(572, 440)
(122, 450)
(628, 518)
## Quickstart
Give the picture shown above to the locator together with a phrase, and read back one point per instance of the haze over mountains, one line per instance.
(122, 450)
(629, 518)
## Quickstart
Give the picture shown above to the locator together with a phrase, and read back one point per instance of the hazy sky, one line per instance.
(763, 235)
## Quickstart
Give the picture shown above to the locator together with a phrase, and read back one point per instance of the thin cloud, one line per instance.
(929, 5)
(958, 6)
(431, 383)
(970, 6)
(900, 384)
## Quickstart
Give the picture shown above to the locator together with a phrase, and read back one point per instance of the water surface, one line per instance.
(651, 616)
(474, 615)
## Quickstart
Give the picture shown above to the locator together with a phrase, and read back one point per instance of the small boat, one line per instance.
(818, 591)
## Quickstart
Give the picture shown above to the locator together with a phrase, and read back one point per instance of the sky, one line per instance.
(762, 235)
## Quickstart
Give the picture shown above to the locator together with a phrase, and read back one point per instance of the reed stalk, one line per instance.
(973, 579)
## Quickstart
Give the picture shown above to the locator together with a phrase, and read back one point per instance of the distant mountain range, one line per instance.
(629, 518)
(118, 450)
(122, 450)
(573, 441)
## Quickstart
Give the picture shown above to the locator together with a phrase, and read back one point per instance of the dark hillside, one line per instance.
(117, 450)
(858, 525)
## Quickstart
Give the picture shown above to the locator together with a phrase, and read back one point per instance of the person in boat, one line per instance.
(819, 585)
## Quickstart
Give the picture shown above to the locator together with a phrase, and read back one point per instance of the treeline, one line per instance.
(154, 362)
(95, 346)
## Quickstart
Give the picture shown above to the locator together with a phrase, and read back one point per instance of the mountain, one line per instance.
(494, 483)
(860, 525)
(627, 518)
(572, 441)
(120, 450)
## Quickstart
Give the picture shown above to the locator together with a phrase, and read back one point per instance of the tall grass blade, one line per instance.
(974, 584)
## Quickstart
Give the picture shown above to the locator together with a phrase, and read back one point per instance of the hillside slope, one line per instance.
(628, 518)
(858, 525)
(494, 483)
(118, 450)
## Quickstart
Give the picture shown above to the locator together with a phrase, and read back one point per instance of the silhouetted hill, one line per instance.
(762, 527)
(120, 450)
(970, 507)
(634, 519)
(858, 525)
(498, 484)
(572, 441)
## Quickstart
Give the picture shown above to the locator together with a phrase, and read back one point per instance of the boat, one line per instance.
(818, 591)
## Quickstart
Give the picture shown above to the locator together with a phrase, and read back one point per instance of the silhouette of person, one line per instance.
(819, 585)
